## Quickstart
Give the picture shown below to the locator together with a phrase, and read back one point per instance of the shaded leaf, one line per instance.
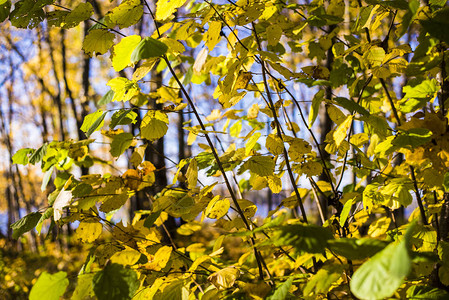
(25, 224)
(115, 282)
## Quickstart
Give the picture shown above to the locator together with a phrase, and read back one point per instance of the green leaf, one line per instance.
(345, 212)
(120, 143)
(79, 14)
(5, 8)
(92, 122)
(165, 8)
(49, 286)
(148, 48)
(21, 157)
(438, 24)
(418, 95)
(412, 138)
(149, 221)
(351, 106)
(304, 238)
(25, 224)
(356, 249)
(154, 125)
(28, 13)
(46, 215)
(123, 117)
(38, 154)
(126, 14)
(282, 291)
(98, 42)
(107, 98)
(115, 282)
(416, 292)
(321, 282)
(384, 273)
(123, 51)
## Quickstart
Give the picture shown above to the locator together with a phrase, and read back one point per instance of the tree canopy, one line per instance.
(231, 150)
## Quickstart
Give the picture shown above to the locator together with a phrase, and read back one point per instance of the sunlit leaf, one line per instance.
(88, 232)
(93, 122)
(49, 286)
(123, 51)
(225, 278)
(165, 8)
(126, 14)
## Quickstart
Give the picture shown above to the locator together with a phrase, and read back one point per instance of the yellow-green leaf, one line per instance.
(252, 142)
(274, 144)
(192, 173)
(124, 89)
(123, 51)
(274, 33)
(98, 42)
(154, 125)
(126, 14)
(225, 278)
(161, 257)
(80, 13)
(217, 207)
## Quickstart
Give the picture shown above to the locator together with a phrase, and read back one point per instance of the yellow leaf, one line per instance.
(217, 207)
(212, 37)
(342, 130)
(258, 182)
(274, 144)
(275, 184)
(225, 278)
(379, 227)
(198, 262)
(144, 69)
(243, 80)
(88, 232)
(127, 257)
(298, 148)
(252, 141)
(165, 8)
(192, 173)
(253, 111)
(160, 259)
(200, 60)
